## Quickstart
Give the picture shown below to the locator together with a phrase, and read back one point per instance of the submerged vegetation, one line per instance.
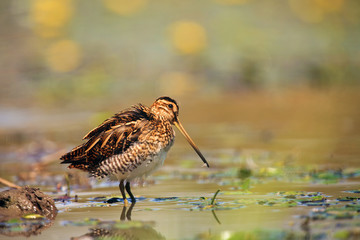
(306, 198)
(311, 198)
(317, 211)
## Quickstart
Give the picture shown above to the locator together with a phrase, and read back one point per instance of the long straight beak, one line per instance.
(188, 138)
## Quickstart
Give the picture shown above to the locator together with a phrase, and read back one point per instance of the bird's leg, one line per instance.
(127, 187)
(122, 190)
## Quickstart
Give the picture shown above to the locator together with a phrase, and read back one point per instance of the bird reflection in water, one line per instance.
(127, 213)
(123, 229)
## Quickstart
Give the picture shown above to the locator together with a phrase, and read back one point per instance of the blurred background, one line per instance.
(269, 91)
(248, 74)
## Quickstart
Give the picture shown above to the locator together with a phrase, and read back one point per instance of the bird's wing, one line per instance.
(112, 137)
(129, 115)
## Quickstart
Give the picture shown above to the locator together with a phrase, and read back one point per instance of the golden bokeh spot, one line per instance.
(232, 2)
(177, 83)
(48, 32)
(330, 5)
(307, 11)
(51, 13)
(125, 7)
(188, 37)
(63, 56)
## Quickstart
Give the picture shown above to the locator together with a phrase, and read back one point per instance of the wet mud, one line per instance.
(25, 212)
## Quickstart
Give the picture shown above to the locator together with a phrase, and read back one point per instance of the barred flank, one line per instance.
(127, 161)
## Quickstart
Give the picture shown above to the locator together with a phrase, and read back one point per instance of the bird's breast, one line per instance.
(153, 155)
(151, 163)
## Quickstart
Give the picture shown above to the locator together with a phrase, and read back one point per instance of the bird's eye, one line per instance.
(170, 106)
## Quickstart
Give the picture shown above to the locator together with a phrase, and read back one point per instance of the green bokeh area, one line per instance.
(68, 51)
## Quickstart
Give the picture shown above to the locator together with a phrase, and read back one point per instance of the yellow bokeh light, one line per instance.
(125, 7)
(188, 37)
(63, 56)
(232, 2)
(177, 83)
(48, 32)
(330, 5)
(51, 13)
(307, 11)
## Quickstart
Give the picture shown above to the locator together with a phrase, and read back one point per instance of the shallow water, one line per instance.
(170, 209)
(283, 172)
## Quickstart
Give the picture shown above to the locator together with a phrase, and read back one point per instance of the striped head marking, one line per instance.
(165, 108)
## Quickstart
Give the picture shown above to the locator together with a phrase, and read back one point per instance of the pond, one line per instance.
(282, 174)
(181, 209)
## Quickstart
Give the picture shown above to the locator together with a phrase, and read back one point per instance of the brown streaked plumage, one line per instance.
(130, 144)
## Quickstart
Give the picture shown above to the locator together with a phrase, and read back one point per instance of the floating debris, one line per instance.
(164, 199)
(32, 216)
(353, 191)
(114, 200)
(348, 199)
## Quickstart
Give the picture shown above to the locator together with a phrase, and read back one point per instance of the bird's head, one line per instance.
(167, 109)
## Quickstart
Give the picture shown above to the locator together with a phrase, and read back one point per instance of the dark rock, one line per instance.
(15, 203)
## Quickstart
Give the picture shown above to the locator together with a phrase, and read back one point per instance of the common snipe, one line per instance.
(130, 144)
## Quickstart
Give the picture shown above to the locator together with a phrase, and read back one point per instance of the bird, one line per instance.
(131, 144)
